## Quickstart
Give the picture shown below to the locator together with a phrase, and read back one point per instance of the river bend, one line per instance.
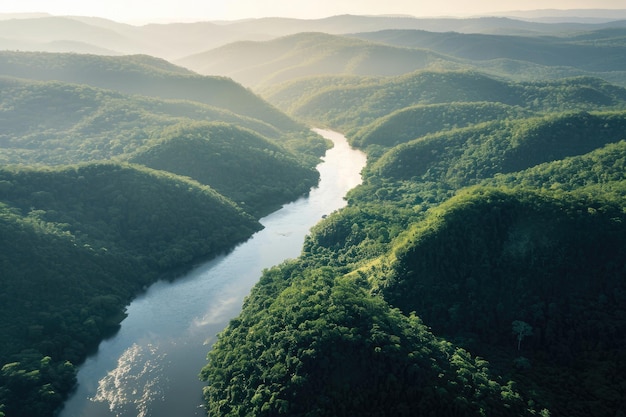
(151, 366)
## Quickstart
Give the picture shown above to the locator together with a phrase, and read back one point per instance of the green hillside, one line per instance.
(78, 243)
(462, 157)
(144, 75)
(83, 231)
(241, 165)
(486, 259)
(524, 272)
(479, 270)
(57, 123)
(313, 341)
(351, 107)
(412, 122)
(474, 265)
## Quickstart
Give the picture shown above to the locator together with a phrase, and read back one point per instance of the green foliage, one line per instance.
(145, 76)
(351, 107)
(77, 244)
(241, 165)
(325, 346)
(539, 239)
(489, 257)
(464, 156)
(82, 231)
(57, 123)
(412, 122)
(104, 203)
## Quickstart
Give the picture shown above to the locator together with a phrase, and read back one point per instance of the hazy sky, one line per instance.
(144, 10)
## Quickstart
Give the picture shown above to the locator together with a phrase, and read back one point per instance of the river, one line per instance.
(151, 366)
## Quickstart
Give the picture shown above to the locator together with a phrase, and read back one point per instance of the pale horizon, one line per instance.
(144, 11)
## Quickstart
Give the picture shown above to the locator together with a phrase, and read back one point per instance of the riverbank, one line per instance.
(150, 366)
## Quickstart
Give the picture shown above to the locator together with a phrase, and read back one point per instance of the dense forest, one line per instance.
(487, 237)
(103, 191)
(478, 270)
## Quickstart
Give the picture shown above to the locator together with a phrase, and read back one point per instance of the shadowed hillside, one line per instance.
(78, 243)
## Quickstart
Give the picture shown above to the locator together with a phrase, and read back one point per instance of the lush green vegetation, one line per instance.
(489, 257)
(415, 121)
(78, 243)
(315, 343)
(493, 212)
(351, 107)
(103, 192)
(145, 76)
(59, 123)
(241, 165)
(478, 270)
(461, 157)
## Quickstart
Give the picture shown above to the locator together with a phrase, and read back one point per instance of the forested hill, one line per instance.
(419, 120)
(478, 270)
(527, 273)
(487, 262)
(491, 212)
(247, 168)
(350, 106)
(77, 244)
(147, 76)
(461, 157)
(86, 224)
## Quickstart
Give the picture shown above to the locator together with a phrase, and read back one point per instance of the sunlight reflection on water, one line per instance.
(136, 382)
(151, 366)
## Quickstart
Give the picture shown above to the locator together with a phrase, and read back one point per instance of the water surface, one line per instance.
(150, 367)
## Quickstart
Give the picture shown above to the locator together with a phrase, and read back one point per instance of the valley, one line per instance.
(477, 269)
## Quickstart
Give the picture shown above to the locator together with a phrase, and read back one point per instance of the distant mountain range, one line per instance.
(568, 15)
(42, 32)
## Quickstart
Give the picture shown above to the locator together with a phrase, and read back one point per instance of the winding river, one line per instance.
(150, 367)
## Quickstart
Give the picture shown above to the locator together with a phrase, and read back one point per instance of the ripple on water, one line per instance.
(137, 382)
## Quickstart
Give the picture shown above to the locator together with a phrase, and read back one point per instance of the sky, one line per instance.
(143, 11)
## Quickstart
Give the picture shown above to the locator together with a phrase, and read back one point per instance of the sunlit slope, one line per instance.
(412, 122)
(148, 76)
(53, 122)
(249, 169)
(78, 243)
(493, 255)
(258, 64)
(605, 166)
(353, 106)
(463, 156)
(312, 340)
